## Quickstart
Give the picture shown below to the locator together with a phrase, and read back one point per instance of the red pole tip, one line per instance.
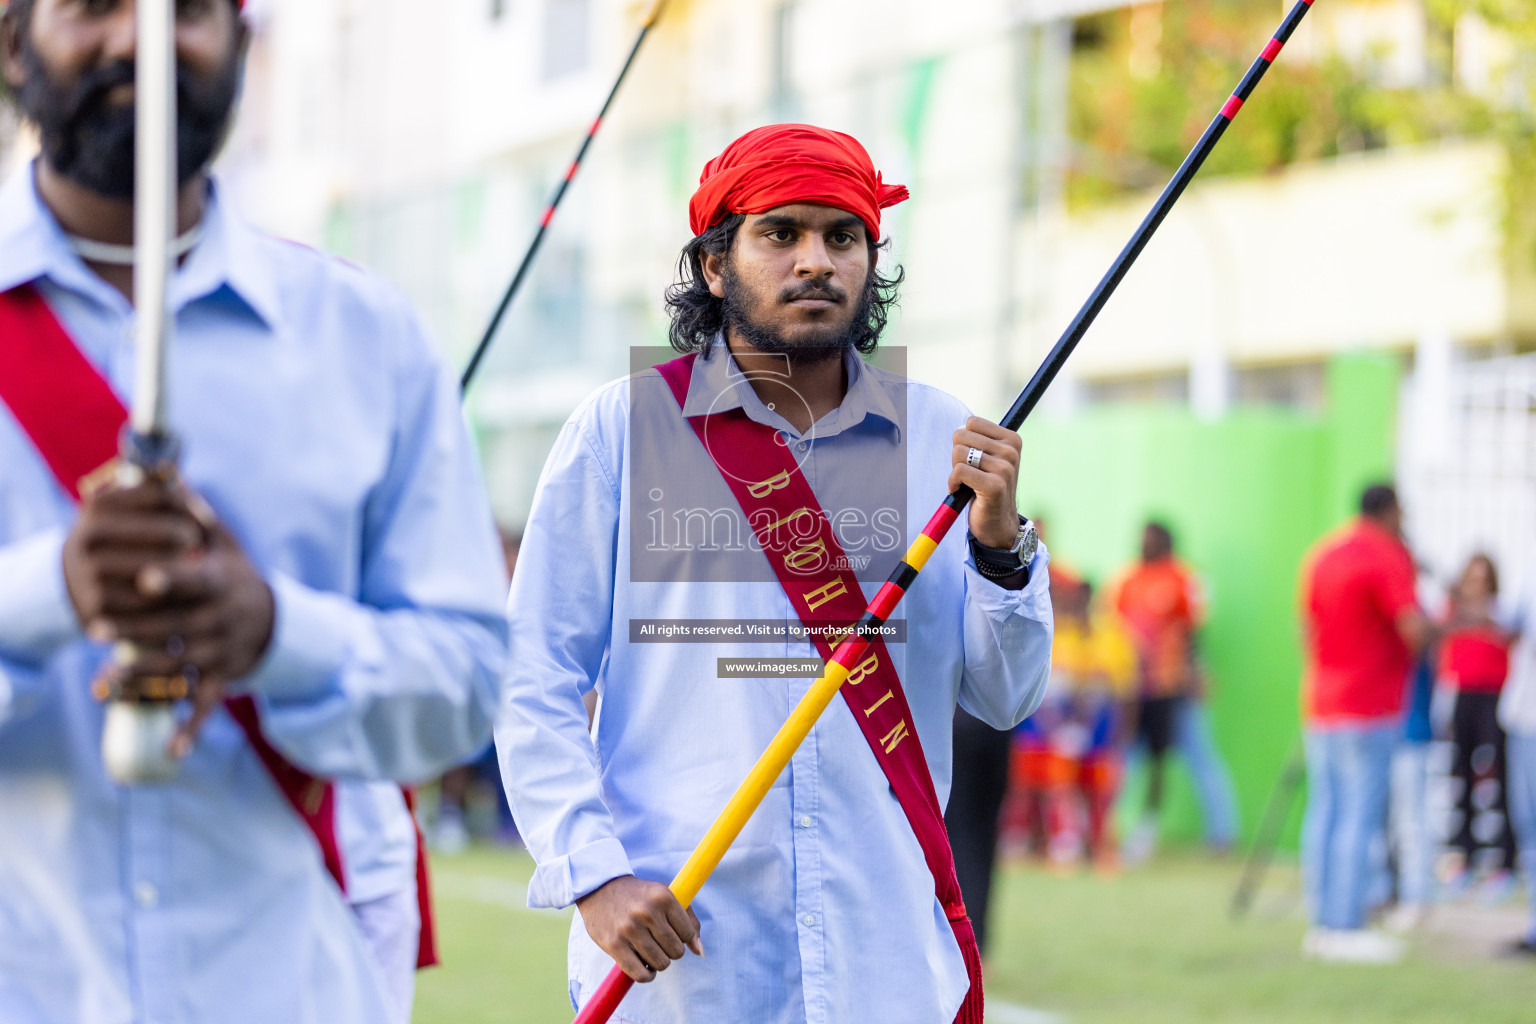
(607, 998)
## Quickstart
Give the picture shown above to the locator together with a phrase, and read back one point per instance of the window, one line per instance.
(1170, 388)
(567, 35)
(1301, 386)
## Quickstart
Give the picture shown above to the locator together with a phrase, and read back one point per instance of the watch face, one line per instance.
(1029, 540)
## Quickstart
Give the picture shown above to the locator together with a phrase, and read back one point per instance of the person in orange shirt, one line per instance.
(1159, 603)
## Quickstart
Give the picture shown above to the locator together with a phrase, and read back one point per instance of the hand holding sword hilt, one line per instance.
(151, 569)
(129, 519)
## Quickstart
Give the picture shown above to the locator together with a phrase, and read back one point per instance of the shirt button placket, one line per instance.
(805, 789)
(147, 837)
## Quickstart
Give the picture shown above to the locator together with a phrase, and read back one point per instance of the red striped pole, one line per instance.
(731, 820)
(651, 17)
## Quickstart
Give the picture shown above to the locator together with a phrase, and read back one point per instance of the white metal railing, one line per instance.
(1467, 465)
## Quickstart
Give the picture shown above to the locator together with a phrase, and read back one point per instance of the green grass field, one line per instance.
(1150, 946)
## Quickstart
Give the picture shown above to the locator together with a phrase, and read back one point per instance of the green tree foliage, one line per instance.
(1147, 80)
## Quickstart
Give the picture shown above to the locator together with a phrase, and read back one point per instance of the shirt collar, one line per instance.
(718, 385)
(33, 245)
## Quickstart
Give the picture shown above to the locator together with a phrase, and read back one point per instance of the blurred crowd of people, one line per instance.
(1127, 691)
(1419, 727)
(1394, 668)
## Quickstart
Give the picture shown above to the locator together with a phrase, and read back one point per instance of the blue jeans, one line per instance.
(1410, 824)
(1348, 774)
(1208, 771)
(1521, 756)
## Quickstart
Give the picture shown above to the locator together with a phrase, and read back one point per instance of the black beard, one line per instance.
(90, 142)
(765, 338)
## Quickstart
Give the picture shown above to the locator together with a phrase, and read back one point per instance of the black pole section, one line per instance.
(554, 203)
(1035, 389)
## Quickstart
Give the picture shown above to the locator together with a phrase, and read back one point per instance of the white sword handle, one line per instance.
(136, 735)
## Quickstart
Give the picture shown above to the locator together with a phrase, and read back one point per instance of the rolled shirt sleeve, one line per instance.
(560, 612)
(1007, 644)
(401, 680)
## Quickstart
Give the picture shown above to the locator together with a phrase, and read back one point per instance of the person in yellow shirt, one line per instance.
(1094, 672)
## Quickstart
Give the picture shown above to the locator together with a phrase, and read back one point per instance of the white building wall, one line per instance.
(425, 143)
(1367, 251)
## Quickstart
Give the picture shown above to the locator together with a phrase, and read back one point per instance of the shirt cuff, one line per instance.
(36, 616)
(558, 883)
(310, 642)
(1007, 594)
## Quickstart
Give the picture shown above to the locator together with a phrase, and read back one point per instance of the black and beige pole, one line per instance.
(140, 714)
(652, 15)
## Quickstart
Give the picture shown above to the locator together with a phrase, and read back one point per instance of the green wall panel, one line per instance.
(1246, 497)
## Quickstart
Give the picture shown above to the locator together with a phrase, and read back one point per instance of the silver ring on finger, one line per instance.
(973, 458)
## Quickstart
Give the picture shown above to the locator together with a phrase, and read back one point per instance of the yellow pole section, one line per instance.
(706, 856)
(744, 802)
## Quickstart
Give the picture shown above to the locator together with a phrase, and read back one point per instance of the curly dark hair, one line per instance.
(697, 315)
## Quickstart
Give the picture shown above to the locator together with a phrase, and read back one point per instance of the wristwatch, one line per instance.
(997, 563)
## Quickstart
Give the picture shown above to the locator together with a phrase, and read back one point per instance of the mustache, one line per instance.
(90, 140)
(812, 290)
(88, 94)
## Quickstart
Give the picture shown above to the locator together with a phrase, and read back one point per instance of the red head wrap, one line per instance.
(6, 3)
(780, 164)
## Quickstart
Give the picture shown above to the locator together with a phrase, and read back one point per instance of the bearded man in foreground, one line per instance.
(701, 533)
(321, 576)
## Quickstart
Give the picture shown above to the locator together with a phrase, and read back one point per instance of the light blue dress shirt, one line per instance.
(823, 911)
(321, 427)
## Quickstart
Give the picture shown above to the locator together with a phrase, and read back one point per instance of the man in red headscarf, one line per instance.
(702, 533)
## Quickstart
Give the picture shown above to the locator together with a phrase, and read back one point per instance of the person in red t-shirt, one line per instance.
(1363, 631)
(1474, 662)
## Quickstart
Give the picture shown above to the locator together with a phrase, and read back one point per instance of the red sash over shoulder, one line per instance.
(73, 418)
(766, 480)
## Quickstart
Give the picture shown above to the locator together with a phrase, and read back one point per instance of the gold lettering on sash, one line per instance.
(863, 669)
(807, 556)
(895, 736)
(763, 488)
(796, 514)
(822, 594)
(871, 709)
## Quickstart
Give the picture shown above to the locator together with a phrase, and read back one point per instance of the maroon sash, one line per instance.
(73, 418)
(766, 480)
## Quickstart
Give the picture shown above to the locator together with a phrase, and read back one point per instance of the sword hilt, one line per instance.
(140, 716)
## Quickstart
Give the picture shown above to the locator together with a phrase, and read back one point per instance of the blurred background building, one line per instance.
(1344, 295)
